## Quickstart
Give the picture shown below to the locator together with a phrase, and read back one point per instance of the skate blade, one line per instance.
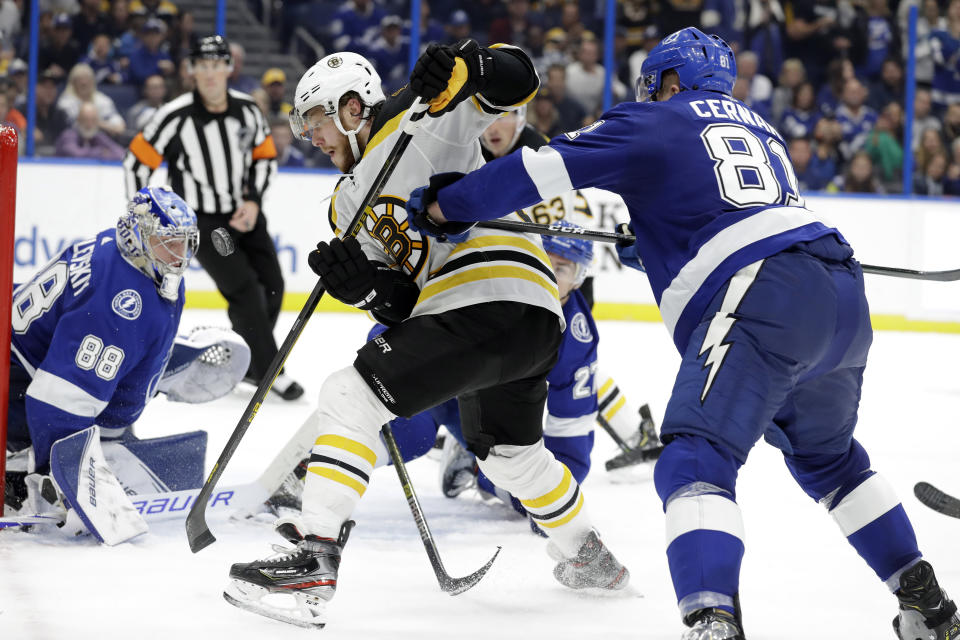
(307, 614)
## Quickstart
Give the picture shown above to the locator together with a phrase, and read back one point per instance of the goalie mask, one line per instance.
(158, 235)
(324, 84)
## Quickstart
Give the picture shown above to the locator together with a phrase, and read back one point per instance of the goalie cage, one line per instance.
(8, 206)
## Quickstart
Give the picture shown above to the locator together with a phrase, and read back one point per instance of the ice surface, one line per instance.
(800, 578)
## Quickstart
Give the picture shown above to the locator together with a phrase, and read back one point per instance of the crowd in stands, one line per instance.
(829, 74)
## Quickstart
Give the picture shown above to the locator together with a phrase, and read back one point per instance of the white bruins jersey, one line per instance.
(491, 265)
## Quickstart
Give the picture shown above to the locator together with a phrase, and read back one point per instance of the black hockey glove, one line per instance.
(423, 197)
(627, 250)
(352, 278)
(447, 75)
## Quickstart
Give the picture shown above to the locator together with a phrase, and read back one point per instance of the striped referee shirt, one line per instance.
(214, 160)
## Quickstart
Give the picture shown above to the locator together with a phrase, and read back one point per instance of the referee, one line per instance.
(220, 158)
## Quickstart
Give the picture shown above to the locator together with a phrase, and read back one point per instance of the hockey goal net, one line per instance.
(8, 207)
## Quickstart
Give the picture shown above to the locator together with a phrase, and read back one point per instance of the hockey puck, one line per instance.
(222, 241)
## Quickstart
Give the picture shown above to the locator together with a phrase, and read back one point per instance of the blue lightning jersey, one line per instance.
(707, 182)
(94, 335)
(946, 74)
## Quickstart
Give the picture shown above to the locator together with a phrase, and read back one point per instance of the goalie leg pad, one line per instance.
(344, 454)
(545, 488)
(152, 465)
(81, 473)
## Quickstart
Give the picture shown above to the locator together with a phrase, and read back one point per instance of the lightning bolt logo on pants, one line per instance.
(713, 341)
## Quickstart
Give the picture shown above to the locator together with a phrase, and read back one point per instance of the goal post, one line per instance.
(8, 207)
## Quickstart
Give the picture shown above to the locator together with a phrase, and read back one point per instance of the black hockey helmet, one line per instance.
(212, 48)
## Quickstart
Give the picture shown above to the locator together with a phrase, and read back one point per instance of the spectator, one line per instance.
(150, 57)
(85, 139)
(458, 26)
(585, 79)
(100, 59)
(922, 116)
(61, 52)
(185, 81)
(889, 88)
(288, 155)
(355, 25)
(727, 19)
(932, 181)
(651, 39)
(543, 114)
(51, 120)
(513, 28)
(17, 73)
(10, 116)
(855, 117)
(89, 22)
(183, 38)
(390, 52)
(635, 17)
(882, 38)
(678, 14)
(952, 181)
(154, 95)
(260, 96)
(430, 30)
(858, 178)
(951, 122)
(118, 23)
(766, 35)
(828, 98)
(814, 172)
(884, 149)
(82, 87)
(161, 9)
(759, 89)
(569, 112)
(274, 83)
(482, 13)
(10, 17)
(239, 81)
(928, 22)
(554, 51)
(792, 75)
(827, 135)
(931, 144)
(800, 119)
(945, 45)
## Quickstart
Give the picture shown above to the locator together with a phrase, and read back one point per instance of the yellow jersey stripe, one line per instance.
(352, 446)
(388, 127)
(483, 272)
(338, 476)
(518, 242)
(565, 519)
(558, 492)
(612, 411)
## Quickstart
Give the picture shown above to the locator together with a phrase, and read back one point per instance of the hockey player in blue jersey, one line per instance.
(92, 334)
(763, 300)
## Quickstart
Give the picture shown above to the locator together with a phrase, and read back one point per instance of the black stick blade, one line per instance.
(198, 533)
(456, 586)
(937, 500)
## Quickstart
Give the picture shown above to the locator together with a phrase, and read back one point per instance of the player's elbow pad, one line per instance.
(396, 295)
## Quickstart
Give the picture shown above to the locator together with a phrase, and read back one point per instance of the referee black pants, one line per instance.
(250, 280)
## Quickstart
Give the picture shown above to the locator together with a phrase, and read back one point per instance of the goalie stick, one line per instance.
(239, 500)
(937, 500)
(949, 275)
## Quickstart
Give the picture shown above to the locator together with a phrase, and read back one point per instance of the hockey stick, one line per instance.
(950, 275)
(198, 533)
(937, 500)
(448, 584)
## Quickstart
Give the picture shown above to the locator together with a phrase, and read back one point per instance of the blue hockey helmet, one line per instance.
(701, 61)
(158, 235)
(577, 250)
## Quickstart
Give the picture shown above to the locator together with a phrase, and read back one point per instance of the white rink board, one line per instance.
(58, 203)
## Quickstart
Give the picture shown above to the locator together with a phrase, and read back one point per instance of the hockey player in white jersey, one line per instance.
(479, 320)
(93, 340)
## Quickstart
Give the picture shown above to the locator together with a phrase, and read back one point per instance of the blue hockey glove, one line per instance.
(627, 251)
(423, 197)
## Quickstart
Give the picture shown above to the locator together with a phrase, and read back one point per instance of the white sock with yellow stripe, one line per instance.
(614, 407)
(545, 487)
(343, 457)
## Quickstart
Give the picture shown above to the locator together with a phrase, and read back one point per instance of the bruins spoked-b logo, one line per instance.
(334, 62)
(386, 222)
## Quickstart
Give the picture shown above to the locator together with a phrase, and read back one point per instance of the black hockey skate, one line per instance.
(288, 498)
(308, 573)
(644, 444)
(712, 624)
(926, 612)
(594, 566)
